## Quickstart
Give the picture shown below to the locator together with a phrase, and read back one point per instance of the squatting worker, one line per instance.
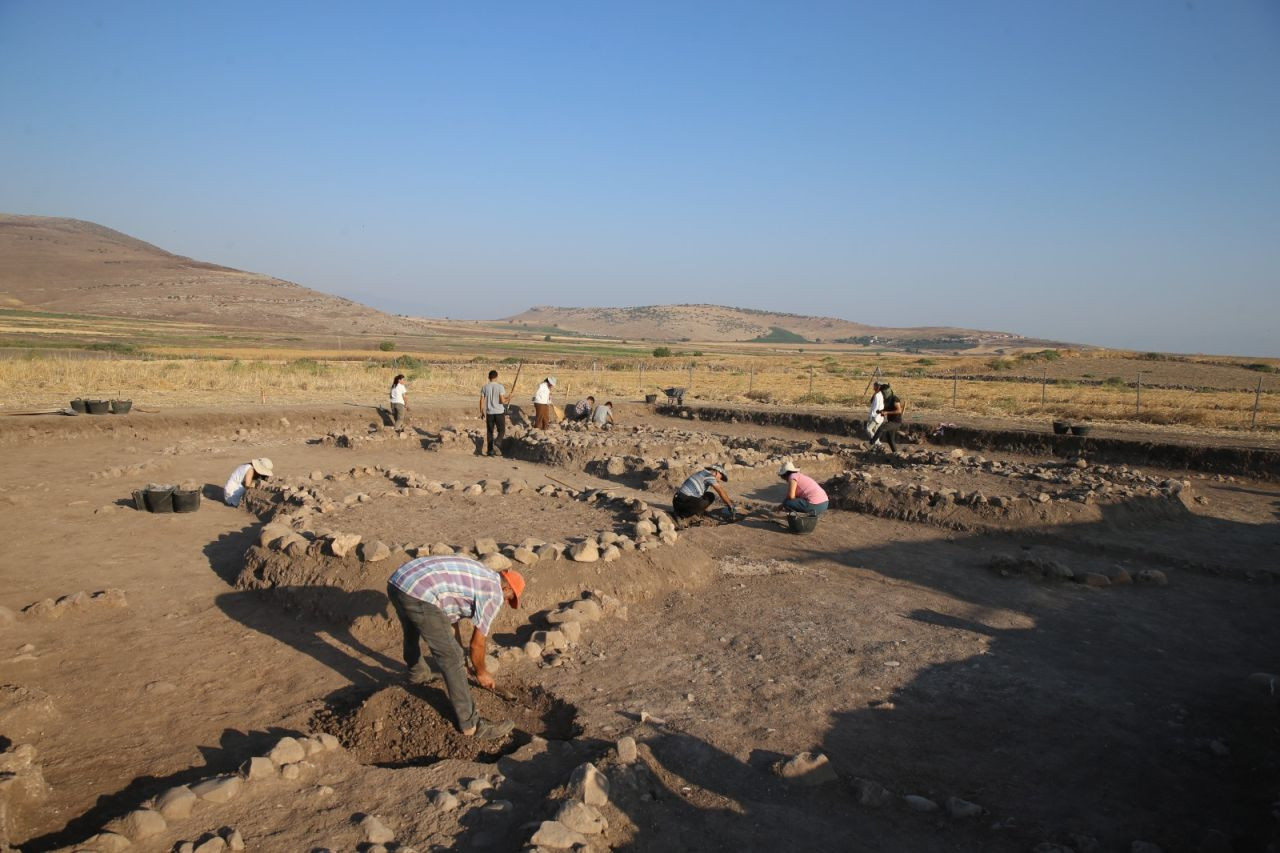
(430, 594)
(698, 492)
(804, 495)
(243, 477)
(397, 401)
(603, 415)
(542, 403)
(493, 408)
(581, 410)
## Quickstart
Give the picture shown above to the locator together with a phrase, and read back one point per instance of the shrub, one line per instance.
(914, 372)
(1113, 382)
(114, 346)
(759, 396)
(387, 346)
(662, 352)
(927, 362)
(546, 338)
(306, 365)
(1260, 367)
(511, 359)
(998, 364)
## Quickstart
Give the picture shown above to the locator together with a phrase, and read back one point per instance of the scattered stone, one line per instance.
(375, 831)
(524, 556)
(917, 803)
(342, 543)
(557, 836)
(176, 803)
(258, 767)
(212, 844)
(444, 801)
(806, 768)
(584, 552)
(287, 751)
(871, 794)
(959, 808)
(572, 632)
(373, 553)
(486, 546)
(1094, 579)
(107, 842)
(589, 785)
(532, 650)
(328, 741)
(440, 549)
(550, 641)
(580, 817)
(588, 610)
(290, 771)
(473, 490)
(219, 789)
(139, 824)
(1119, 576)
(235, 841)
(496, 561)
(626, 746)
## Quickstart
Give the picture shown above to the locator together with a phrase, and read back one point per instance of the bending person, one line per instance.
(242, 478)
(542, 403)
(430, 596)
(698, 493)
(804, 495)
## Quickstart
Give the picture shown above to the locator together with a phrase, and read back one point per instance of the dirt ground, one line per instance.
(1089, 718)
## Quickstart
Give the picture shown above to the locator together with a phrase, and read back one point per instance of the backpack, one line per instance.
(891, 402)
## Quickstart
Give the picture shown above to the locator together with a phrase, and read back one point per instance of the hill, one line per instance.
(720, 323)
(67, 265)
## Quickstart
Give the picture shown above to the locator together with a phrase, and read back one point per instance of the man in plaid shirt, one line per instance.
(431, 594)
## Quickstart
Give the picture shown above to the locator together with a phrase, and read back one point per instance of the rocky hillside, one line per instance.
(720, 323)
(71, 266)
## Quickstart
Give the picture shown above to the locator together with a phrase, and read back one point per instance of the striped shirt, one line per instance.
(459, 586)
(696, 486)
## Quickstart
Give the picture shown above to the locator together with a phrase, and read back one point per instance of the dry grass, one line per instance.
(302, 376)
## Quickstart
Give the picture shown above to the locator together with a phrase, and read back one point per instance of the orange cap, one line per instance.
(515, 580)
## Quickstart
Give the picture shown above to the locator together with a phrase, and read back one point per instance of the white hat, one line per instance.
(551, 380)
(787, 468)
(262, 465)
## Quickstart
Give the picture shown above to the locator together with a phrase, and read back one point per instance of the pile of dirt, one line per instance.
(403, 726)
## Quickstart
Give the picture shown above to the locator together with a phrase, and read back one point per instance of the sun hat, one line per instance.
(261, 465)
(516, 581)
(551, 380)
(719, 469)
(787, 468)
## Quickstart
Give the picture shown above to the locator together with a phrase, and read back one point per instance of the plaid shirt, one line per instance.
(459, 586)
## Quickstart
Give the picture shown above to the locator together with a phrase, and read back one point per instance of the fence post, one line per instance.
(1137, 409)
(955, 385)
(1257, 392)
(1044, 381)
(811, 380)
(690, 384)
(642, 377)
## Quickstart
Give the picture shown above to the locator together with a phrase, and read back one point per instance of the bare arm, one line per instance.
(483, 678)
(724, 496)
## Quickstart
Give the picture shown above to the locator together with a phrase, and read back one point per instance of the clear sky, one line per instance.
(1084, 170)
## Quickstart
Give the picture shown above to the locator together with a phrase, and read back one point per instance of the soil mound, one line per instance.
(404, 726)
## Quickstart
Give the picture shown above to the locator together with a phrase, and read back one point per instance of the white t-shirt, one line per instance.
(600, 416)
(233, 491)
(397, 393)
(877, 403)
(543, 394)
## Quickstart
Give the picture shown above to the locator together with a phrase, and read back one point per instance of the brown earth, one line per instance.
(1090, 717)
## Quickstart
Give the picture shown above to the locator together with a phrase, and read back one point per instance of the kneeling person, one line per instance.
(432, 593)
(242, 478)
(699, 492)
(804, 495)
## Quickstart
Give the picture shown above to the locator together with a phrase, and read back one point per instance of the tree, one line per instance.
(387, 346)
(662, 352)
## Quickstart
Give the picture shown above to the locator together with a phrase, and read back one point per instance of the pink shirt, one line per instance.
(808, 488)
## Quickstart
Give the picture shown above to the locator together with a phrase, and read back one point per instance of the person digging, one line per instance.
(242, 478)
(696, 495)
(429, 595)
(804, 495)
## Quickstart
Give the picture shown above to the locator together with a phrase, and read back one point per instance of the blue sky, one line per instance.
(1103, 172)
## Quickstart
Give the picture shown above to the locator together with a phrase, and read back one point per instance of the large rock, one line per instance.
(139, 824)
(495, 561)
(584, 552)
(807, 768)
(871, 793)
(287, 751)
(176, 803)
(589, 785)
(374, 552)
(582, 818)
(22, 788)
(486, 546)
(219, 789)
(342, 543)
(555, 835)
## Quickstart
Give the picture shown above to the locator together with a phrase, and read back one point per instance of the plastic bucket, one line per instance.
(651, 398)
(1080, 429)
(186, 500)
(1061, 427)
(139, 500)
(98, 407)
(802, 523)
(121, 407)
(160, 498)
(77, 406)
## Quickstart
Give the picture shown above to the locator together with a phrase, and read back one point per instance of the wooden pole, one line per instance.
(955, 385)
(1137, 408)
(642, 376)
(691, 375)
(1044, 380)
(810, 380)
(1257, 392)
(751, 379)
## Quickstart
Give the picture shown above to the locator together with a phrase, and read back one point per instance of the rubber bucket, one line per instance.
(186, 500)
(160, 498)
(651, 398)
(1061, 427)
(98, 407)
(139, 500)
(1080, 429)
(121, 407)
(802, 523)
(77, 406)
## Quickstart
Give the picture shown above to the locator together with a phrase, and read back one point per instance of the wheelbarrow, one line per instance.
(675, 396)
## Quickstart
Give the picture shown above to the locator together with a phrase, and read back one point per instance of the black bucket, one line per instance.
(77, 406)
(139, 500)
(186, 500)
(1061, 427)
(121, 407)
(1080, 429)
(651, 398)
(98, 407)
(802, 523)
(160, 498)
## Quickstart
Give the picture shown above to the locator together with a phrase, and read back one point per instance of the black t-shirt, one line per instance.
(891, 403)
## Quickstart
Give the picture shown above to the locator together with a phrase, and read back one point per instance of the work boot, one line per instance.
(421, 675)
(491, 730)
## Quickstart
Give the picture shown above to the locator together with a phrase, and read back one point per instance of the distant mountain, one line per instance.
(721, 323)
(72, 266)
